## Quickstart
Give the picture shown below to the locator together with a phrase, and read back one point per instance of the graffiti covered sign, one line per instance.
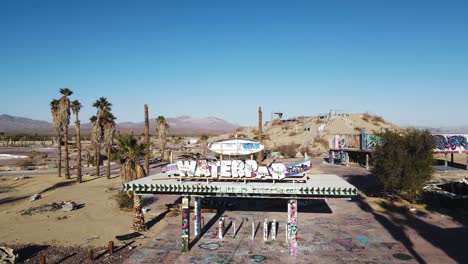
(236, 169)
(236, 146)
(450, 143)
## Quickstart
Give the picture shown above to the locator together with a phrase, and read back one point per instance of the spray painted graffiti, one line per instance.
(197, 216)
(258, 258)
(235, 169)
(185, 224)
(212, 246)
(354, 141)
(293, 227)
(373, 141)
(448, 142)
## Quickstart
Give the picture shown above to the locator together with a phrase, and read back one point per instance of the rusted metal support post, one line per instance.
(42, 260)
(260, 123)
(185, 224)
(111, 247)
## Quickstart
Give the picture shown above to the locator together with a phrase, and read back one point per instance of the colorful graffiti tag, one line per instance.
(354, 141)
(450, 142)
(372, 141)
(292, 217)
(236, 169)
(185, 224)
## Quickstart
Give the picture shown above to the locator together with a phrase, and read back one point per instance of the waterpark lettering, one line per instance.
(228, 168)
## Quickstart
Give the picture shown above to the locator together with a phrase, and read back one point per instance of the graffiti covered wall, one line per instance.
(450, 143)
(354, 141)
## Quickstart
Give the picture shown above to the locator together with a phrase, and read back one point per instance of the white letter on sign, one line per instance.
(214, 168)
(187, 167)
(250, 168)
(278, 170)
(237, 168)
(225, 168)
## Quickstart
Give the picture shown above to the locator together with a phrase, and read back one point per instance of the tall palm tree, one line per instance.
(97, 134)
(109, 133)
(54, 107)
(161, 129)
(129, 151)
(64, 116)
(147, 139)
(204, 141)
(76, 107)
(96, 138)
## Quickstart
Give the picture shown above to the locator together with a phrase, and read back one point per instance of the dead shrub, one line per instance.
(322, 142)
(288, 150)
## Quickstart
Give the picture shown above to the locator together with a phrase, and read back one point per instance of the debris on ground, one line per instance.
(31, 253)
(455, 189)
(7, 255)
(35, 197)
(66, 206)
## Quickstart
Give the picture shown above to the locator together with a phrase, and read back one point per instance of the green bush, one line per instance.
(124, 201)
(402, 163)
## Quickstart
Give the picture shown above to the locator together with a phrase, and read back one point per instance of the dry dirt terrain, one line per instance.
(94, 223)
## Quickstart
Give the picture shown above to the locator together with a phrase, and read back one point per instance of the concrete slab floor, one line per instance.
(337, 231)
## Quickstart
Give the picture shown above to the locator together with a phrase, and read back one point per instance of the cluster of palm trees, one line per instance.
(60, 110)
(129, 150)
(103, 131)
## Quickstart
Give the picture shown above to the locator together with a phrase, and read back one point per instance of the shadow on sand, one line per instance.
(396, 220)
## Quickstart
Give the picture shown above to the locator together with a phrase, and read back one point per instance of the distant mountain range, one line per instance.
(182, 125)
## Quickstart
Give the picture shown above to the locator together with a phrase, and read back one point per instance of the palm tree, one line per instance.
(64, 116)
(96, 138)
(147, 139)
(109, 133)
(76, 107)
(129, 150)
(204, 140)
(161, 129)
(54, 107)
(97, 134)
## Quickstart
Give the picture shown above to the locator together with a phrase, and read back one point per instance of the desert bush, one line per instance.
(319, 121)
(366, 117)
(276, 122)
(305, 149)
(292, 133)
(378, 119)
(264, 136)
(24, 163)
(322, 142)
(357, 129)
(288, 150)
(124, 201)
(402, 163)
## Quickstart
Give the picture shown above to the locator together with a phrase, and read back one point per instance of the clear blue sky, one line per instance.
(405, 60)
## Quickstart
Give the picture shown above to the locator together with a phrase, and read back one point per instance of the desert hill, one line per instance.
(313, 132)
